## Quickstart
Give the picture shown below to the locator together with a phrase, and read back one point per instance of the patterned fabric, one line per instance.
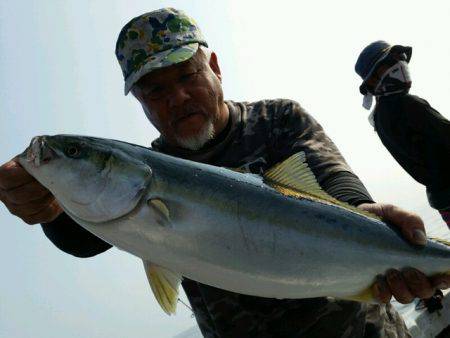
(154, 40)
(260, 135)
(265, 133)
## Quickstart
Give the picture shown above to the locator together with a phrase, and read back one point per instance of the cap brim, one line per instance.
(161, 60)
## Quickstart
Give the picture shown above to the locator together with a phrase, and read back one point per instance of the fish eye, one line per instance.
(72, 151)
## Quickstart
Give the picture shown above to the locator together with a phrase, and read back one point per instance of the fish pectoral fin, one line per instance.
(365, 296)
(161, 212)
(294, 178)
(164, 284)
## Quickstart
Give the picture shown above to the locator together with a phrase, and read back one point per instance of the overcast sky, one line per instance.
(58, 74)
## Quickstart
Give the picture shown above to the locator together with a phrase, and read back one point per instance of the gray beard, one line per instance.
(193, 142)
(197, 141)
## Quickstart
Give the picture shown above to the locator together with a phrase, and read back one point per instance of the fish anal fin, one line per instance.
(294, 178)
(164, 284)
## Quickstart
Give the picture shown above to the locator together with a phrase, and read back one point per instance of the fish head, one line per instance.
(91, 179)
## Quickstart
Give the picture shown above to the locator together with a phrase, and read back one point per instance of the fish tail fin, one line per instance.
(446, 242)
(440, 240)
(365, 296)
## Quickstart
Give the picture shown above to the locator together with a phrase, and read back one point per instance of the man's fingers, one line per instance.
(26, 193)
(441, 281)
(30, 208)
(44, 216)
(13, 175)
(24, 196)
(381, 290)
(398, 287)
(418, 283)
(409, 223)
(407, 285)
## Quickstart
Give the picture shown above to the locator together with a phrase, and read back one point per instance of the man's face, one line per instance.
(184, 101)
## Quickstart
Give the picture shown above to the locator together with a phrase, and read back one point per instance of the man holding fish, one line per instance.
(171, 72)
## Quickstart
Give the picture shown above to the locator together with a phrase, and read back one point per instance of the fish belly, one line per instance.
(250, 255)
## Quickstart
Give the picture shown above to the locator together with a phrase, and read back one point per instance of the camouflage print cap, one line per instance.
(155, 40)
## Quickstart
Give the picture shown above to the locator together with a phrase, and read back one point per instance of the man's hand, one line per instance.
(409, 283)
(25, 197)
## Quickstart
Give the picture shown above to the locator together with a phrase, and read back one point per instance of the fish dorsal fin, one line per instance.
(293, 177)
(294, 173)
(164, 284)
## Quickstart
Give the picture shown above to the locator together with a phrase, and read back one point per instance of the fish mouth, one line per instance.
(38, 152)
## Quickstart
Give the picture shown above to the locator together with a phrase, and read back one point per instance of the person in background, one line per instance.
(170, 70)
(416, 135)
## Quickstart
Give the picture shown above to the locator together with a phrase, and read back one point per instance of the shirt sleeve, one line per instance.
(71, 238)
(294, 130)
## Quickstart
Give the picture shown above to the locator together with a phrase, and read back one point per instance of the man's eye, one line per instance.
(153, 92)
(188, 76)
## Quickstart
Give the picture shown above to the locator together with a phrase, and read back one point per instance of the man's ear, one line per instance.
(214, 64)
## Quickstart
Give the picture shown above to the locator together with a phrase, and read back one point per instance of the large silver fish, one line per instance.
(278, 236)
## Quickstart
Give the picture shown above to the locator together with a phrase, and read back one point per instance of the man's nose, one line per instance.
(178, 96)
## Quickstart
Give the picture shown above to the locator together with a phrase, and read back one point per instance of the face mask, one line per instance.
(396, 79)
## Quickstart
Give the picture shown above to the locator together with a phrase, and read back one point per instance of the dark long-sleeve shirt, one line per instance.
(418, 137)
